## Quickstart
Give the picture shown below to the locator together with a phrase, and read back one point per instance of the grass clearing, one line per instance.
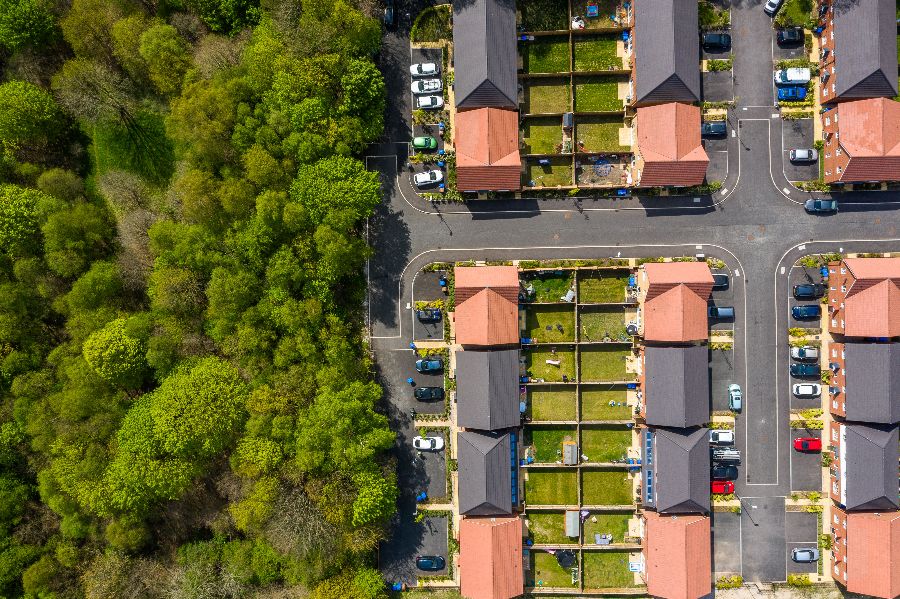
(601, 325)
(548, 285)
(606, 487)
(546, 55)
(598, 94)
(544, 15)
(537, 366)
(595, 403)
(546, 96)
(548, 573)
(547, 442)
(551, 487)
(555, 174)
(432, 25)
(605, 288)
(614, 524)
(152, 157)
(548, 527)
(605, 444)
(551, 404)
(607, 570)
(597, 53)
(542, 135)
(599, 134)
(550, 324)
(604, 363)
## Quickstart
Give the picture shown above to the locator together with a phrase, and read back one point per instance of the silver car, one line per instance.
(426, 86)
(428, 443)
(721, 437)
(735, 398)
(807, 389)
(772, 7)
(804, 155)
(805, 353)
(805, 555)
(424, 69)
(429, 102)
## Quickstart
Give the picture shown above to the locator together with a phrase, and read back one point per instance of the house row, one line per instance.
(857, 79)
(864, 398)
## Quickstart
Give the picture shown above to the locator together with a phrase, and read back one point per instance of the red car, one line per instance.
(722, 487)
(808, 444)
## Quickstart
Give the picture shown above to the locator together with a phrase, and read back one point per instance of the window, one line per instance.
(833, 353)
(827, 120)
(843, 289)
(834, 434)
(837, 152)
(838, 170)
(843, 270)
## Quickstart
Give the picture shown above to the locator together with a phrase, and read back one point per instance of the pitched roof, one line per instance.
(677, 556)
(487, 319)
(872, 382)
(873, 311)
(667, 58)
(870, 455)
(696, 274)
(487, 150)
(678, 315)
(874, 268)
(487, 389)
(485, 474)
(873, 554)
(869, 132)
(866, 64)
(669, 144)
(484, 53)
(469, 280)
(679, 471)
(676, 385)
(490, 558)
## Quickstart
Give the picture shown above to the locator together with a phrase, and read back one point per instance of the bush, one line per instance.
(729, 582)
(432, 25)
(798, 580)
(718, 65)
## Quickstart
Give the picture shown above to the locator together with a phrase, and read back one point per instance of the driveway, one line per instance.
(397, 560)
(762, 530)
(806, 467)
(717, 86)
(428, 289)
(801, 530)
(721, 374)
(798, 133)
(726, 534)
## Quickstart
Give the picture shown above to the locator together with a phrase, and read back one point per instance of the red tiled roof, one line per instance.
(676, 315)
(673, 273)
(874, 311)
(873, 554)
(490, 558)
(469, 280)
(869, 132)
(487, 319)
(874, 268)
(669, 143)
(677, 556)
(487, 150)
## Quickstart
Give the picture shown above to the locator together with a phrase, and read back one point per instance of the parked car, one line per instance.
(433, 443)
(792, 93)
(721, 437)
(803, 155)
(805, 370)
(807, 389)
(431, 563)
(792, 76)
(820, 206)
(735, 397)
(720, 312)
(805, 555)
(723, 473)
(715, 41)
(424, 69)
(772, 7)
(429, 365)
(725, 454)
(789, 36)
(808, 444)
(432, 177)
(720, 281)
(807, 352)
(429, 315)
(390, 14)
(429, 102)
(807, 312)
(426, 86)
(721, 487)
(429, 393)
(425, 142)
(809, 290)
(713, 129)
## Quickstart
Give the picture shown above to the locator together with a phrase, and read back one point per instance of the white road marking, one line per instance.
(775, 116)
(733, 134)
(737, 272)
(696, 200)
(782, 270)
(786, 190)
(801, 247)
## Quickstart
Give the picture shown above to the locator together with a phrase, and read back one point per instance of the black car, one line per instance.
(715, 41)
(713, 129)
(724, 473)
(390, 15)
(809, 291)
(429, 315)
(807, 312)
(431, 563)
(720, 281)
(429, 393)
(805, 370)
(790, 36)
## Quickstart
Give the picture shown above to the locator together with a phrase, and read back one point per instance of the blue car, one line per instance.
(806, 312)
(432, 365)
(793, 93)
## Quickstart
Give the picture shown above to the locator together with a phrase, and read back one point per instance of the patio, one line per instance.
(606, 487)
(551, 404)
(552, 487)
(603, 445)
(550, 324)
(605, 363)
(550, 366)
(595, 403)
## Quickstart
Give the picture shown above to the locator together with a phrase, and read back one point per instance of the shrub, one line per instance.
(729, 582)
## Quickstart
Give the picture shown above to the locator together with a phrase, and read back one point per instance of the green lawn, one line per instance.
(598, 94)
(548, 573)
(607, 8)
(547, 441)
(614, 524)
(602, 287)
(606, 487)
(607, 570)
(542, 135)
(598, 325)
(599, 134)
(597, 53)
(549, 286)
(604, 445)
(432, 25)
(548, 527)
(550, 324)
(544, 15)
(546, 96)
(551, 404)
(795, 12)
(537, 367)
(595, 404)
(604, 363)
(551, 487)
(559, 172)
(546, 55)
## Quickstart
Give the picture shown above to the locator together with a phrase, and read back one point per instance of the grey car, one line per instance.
(804, 155)
(805, 555)
(820, 206)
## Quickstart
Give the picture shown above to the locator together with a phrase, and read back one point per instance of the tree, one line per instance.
(93, 92)
(376, 498)
(88, 25)
(75, 237)
(19, 233)
(365, 583)
(29, 116)
(166, 56)
(62, 184)
(226, 16)
(116, 356)
(25, 22)
(337, 185)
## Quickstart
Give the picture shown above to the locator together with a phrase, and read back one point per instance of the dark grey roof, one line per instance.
(679, 470)
(485, 474)
(667, 55)
(676, 385)
(484, 53)
(870, 456)
(865, 49)
(487, 389)
(873, 382)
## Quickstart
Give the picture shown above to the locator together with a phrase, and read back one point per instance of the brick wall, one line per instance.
(836, 402)
(839, 545)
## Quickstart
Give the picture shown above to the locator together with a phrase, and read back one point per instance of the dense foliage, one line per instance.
(187, 403)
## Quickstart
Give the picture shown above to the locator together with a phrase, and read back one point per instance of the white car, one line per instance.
(772, 7)
(804, 155)
(424, 69)
(721, 437)
(807, 389)
(428, 178)
(428, 443)
(792, 76)
(426, 86)
(429, 102)
(807, 352)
